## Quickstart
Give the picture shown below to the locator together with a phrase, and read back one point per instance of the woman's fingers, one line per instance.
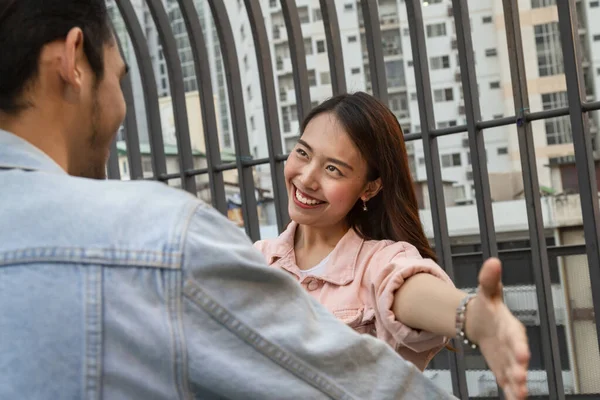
(490, 278)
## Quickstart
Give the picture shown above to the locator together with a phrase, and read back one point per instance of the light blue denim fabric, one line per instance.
(133, 290)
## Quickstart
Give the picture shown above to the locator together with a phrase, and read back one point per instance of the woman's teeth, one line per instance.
(306, 201)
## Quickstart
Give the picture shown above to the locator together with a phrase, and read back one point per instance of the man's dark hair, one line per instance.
(27, 25)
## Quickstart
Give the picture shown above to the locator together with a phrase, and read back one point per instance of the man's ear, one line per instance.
(73, 60)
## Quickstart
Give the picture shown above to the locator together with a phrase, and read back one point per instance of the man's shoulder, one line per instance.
(52, 211)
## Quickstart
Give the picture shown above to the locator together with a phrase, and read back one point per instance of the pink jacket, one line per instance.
(358, 287)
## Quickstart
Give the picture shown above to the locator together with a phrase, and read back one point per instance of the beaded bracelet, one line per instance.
(460, 321)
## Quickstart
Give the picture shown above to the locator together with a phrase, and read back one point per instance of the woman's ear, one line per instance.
(372, 189)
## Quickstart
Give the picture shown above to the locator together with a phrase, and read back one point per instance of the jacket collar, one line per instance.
(17, 153)
(340, 268)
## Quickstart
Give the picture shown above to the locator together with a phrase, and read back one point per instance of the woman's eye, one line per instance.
(331, 168)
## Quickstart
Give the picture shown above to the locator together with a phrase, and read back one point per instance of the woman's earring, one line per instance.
(365, 205)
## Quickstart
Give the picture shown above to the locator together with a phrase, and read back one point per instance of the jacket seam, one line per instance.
(275, 353)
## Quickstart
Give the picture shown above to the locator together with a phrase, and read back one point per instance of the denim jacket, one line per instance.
(133, 290)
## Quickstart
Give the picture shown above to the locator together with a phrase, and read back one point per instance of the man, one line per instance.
(134, 290)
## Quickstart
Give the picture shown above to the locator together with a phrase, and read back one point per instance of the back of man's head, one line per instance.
(60, 73)
(27, 25)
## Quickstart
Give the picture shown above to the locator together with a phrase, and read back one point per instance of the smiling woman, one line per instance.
(357, 245)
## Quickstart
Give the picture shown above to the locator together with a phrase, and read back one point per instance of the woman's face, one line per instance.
(325, 174)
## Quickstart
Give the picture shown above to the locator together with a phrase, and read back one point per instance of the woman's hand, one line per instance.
(500, 336)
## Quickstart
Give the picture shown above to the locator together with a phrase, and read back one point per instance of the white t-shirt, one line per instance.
(317, 269)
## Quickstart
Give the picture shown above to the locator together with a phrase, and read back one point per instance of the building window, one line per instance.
(317, 16)
(441, 95)
(308, 49)
(549, 51)
(325, 78)
(312, 78)
(594, 4)
(451, 160)
(348, 7)
(596, 38)
(243, 32)
(421, 161)
(146, 165)
(252, 123)
(446, 124)
(355, 71)
(491, 52)
(542, 3)
(352, 39)
(498, 116)
(413, 96)
(409, 63)
(558, 130)
(246, 65)
(304, 15)
(487, 20)
(124, 167)
(320, 46)
(249, 91)
(502, 151)
(495, 85)
(441, 62)
(394, 72)
(406, 32)
(398, 103)
(436, 30)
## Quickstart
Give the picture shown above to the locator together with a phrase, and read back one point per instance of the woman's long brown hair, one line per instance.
(394, 212)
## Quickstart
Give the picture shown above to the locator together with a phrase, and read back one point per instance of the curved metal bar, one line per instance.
(481, 179)
(207, 105)
(238, 117)
(298, 55)
(134, 157)
(531, 188)
(370, 12)
(334, 46)
(267, 88)
(182, 128)
(138, 40)
(113, 162)
(132, 139)
(582, 143)
(434, 170)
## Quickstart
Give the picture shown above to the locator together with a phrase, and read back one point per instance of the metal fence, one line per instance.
(539, 252)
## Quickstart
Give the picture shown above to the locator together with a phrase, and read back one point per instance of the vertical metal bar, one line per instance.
(238, 117)
(134, 158)
(267, 88)
(113, 161)
(207, 105)
(182, 129)
(582, 142)
(298, 56)
(483, 197)
(539, 253)
(334, 46)
(138, 40)
(370, 12)
(434, 172)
